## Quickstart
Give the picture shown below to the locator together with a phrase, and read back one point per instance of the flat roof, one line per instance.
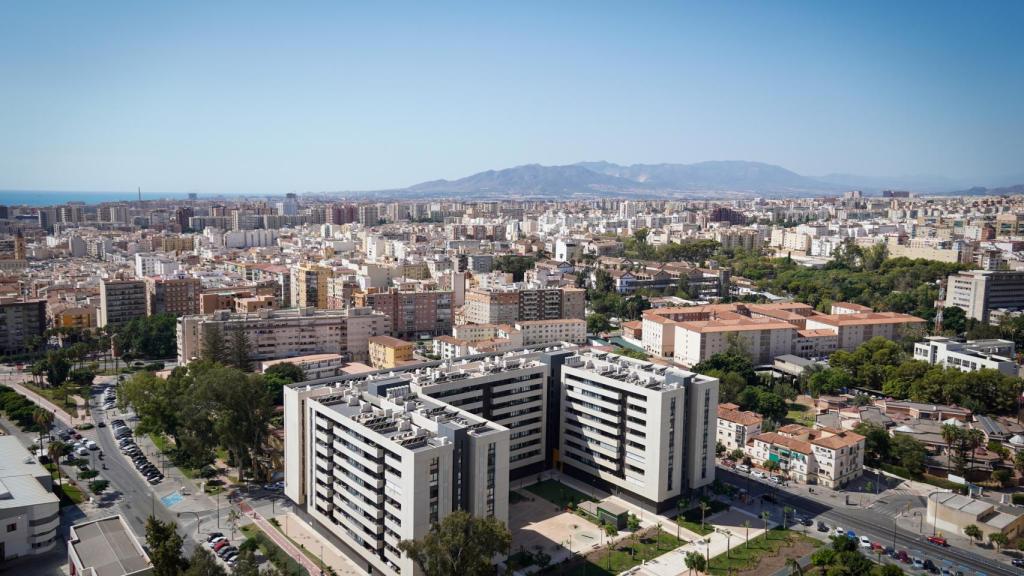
(108, 547)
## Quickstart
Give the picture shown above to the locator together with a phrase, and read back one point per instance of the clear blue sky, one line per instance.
(272, 97)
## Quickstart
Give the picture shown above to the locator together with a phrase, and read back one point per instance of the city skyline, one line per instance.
(329, 98)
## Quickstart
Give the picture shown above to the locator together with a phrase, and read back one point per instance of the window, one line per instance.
(12, 527)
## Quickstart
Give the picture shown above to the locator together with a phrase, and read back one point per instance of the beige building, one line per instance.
(510, 305)
(388, 352)
(978, 292)
(761, 338)
(951, 513)
(825, 456)
(178, 295)
(309, 285)
(277, 334)
(853, 330)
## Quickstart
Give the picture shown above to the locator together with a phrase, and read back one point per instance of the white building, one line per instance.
(735, 426)
(28, 507)
(968, 356)
(644, 429)
(106, 547)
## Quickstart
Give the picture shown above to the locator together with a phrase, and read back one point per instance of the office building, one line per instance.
(277, 334)
(968, 356)
(978, 292)
(29, 514)
(121, 301)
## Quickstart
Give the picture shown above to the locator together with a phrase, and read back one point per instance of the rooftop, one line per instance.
(108, 548)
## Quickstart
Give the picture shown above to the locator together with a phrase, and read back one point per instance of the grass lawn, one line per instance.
(54, 395)
(691, 518)
(312, 557)
(625, 555)
(798, 414)
(557, 493)
(744, 558)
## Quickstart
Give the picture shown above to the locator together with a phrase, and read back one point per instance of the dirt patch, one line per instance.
(771, 564)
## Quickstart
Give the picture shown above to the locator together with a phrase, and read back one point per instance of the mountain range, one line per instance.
(727, 179)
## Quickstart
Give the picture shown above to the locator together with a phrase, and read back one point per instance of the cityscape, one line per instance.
(335, 292)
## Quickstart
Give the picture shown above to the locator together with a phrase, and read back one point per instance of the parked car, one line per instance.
(865, 542)
(822, 527)
(743, 468)
(212, 535)
(839, 531)
(930, 566)
(938, 541)
(1018, 562)
(902, 556)
(759, 474)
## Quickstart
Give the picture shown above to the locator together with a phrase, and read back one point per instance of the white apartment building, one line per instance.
(968, 356)
(735, 426)
(375, 463)
(277, 334)
(855, 329)
(828, 457)
(29, 518)
(539, 332)
(643, 429)
(761, 338)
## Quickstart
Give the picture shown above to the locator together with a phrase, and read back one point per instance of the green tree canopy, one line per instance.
(460, 544)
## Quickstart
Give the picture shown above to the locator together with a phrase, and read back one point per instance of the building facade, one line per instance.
(121, 301)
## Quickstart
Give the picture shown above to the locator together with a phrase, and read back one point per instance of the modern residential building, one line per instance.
(413, 313)
(375, 463)
(735, 426)
(121, 301)
(978, 292)
(177, 295)
(825, 456)
(277, 334)
(646, 430)
(389, 352)
(28, 507)
(968, 356)
(309, 285)
(20, 324)
(106, 547)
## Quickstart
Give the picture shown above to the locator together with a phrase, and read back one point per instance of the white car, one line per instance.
(864, 542)
(839, 531)
(759, 474)
(743, 468)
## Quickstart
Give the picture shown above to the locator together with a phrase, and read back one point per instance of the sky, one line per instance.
(274, 97)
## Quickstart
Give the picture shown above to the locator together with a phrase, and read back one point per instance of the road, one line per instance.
(876, 526)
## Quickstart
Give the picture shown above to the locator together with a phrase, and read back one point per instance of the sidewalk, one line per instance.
(302, 533)
(58, 413)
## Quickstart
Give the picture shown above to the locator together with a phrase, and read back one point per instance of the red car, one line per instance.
(220, 545)
(938, 541)
(902, 556)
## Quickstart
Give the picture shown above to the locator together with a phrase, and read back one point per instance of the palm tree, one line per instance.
(975, 439)
(704, 507)
(949, 434)
(55, 450)
(746, 538)
(765, 516)
(787, 511)
(43, 419)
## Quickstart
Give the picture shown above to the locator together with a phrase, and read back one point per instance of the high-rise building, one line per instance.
(510, 305)
(978, 292)
(121, 301)
(368, 214)
(20, 324)
(413, 313)
(178, 295)
(309, 285)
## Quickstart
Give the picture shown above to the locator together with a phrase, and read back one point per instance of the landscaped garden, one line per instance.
(625, 554)
(764, 554)
(557, 493)
(691, 518)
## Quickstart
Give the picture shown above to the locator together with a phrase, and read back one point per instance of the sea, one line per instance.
(49, 197)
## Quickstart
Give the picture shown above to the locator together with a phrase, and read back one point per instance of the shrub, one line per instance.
(97, 486)
(1018, 499)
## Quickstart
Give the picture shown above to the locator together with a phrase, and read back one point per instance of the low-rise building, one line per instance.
(824, 456)
(106, 547)
(28, 507)
(968, 356)
(951, 512)
(389, 352)
(736, 426)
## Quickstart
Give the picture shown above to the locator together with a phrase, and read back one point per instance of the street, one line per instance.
(877, 526)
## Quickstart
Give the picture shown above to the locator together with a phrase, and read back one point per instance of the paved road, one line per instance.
(879, 527)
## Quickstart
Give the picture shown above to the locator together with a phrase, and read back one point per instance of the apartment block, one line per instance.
(375, 463)
(277, 334)
(538, 332)
(978, 292)
(645, 430)
(20, 324)
(968, 356)
(513, 304)
(389, 352)
(413, 313)
(178, 295)
(121, 301)
(309, 285)
(853, 330)
(827, 456)
(28, 507)
(736, 426)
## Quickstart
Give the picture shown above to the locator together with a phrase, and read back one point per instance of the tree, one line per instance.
(998, 539)
(164, 544)
(908, 452)
(461, 544)
(794, 567)
(57, 368)
(876, 441)
(286, 371)
(203, 563)
(1018, 461)
(704, 507)
(43, 419)
(887, 570)
(597, 323)
(972, 532)
(695, 561)
(950, 433)
(240, 352)
(55, 451)
(214, 348)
